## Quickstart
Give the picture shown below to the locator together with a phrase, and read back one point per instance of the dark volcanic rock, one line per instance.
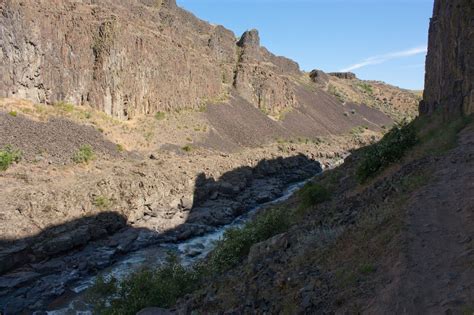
(250, 38)
(318, 76)
(343, 75)
(450, 61)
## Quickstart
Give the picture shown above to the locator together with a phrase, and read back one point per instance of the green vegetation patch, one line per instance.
(148, 287)
(187, 148)
(13, 113)
(64, 107)
(313, 194)
(8, 156)
(102, 202)
(236, 243)
(85, 154)
(437, 135)
(338, 94)
(366, 88)
(390, 149)
(160, 116)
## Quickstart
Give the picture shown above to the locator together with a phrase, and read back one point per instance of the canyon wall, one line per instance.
(133, 57)
(450, 61)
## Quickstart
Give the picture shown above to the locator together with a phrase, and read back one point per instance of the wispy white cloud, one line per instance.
(375, 60)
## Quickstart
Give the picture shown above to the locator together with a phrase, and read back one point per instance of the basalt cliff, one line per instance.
(449, 64)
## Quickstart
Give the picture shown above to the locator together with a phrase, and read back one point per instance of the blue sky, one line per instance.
(377, 39)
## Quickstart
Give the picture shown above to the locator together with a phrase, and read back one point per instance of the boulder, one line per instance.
(319, 77)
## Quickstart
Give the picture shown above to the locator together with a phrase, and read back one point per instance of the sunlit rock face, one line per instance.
(450, 60)
(133, 57)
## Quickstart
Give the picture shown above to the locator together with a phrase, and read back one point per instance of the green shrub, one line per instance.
(187, 148)
(160, 116)
(334, 91)
(102, 202)
(120, 147)
(8, 156)
(84, 154)
(160, 288)
(13, 113)
(312, 194)
(367, 88)
(236, 243)
(390, 149)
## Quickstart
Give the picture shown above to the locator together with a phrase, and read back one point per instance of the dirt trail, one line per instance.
(435, 271)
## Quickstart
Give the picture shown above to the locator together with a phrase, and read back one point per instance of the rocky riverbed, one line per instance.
(48, 267)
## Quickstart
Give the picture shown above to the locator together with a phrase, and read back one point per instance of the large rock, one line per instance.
(450, 61)
(319, 77)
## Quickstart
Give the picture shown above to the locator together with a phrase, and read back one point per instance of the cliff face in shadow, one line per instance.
(449, 64)
(36, 270)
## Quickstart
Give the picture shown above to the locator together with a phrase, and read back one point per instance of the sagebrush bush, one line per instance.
(187, 148)
(8, 156)
(160, 116)
(85, 154)
(102, 202)
(236, 243)
(390, 149)
(160, 287)
(313, 193)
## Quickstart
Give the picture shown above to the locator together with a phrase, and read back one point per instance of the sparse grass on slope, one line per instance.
(85, 154)
(8, 156)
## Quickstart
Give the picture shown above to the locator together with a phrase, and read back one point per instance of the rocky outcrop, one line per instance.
(132, 57)
(449, 64)
(319, 77)
(343, 75)
(260, 76)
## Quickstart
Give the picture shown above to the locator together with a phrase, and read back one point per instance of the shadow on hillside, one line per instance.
(30, 266)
